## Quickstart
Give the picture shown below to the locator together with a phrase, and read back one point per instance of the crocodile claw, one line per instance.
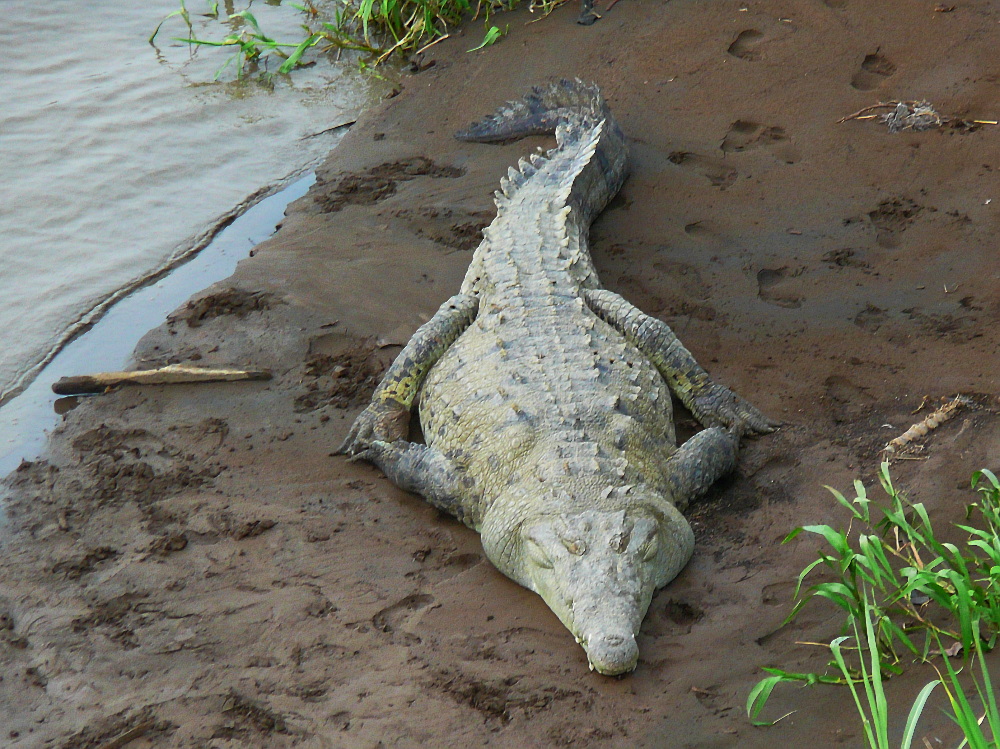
(720, 406)
(384, 421)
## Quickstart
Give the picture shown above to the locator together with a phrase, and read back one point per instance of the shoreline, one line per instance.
(193, 560)
(95, 343)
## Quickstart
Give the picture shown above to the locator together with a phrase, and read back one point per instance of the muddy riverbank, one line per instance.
(193, 565)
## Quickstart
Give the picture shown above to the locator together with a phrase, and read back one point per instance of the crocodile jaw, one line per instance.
(597, 572)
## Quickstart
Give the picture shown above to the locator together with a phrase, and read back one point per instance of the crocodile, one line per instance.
(545, 400)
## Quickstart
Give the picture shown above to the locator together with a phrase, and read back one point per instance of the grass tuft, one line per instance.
(907, 593)
(379, 29)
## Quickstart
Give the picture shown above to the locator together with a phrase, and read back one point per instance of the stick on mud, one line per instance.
(921, 428)
(173, 374)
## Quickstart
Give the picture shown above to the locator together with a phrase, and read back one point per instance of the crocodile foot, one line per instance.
(720, 406)
(384, 421)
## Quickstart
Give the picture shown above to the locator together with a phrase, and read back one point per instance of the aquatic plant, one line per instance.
(896, 582)
(379, 28)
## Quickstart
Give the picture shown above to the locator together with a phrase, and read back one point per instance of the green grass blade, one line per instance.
(978, 475)
(963, 714)
(758, 698)
(296, 55)
(165, 19)
(915, 711)
(227, 42)
(842, 665)
(491, 37)
(876, 693)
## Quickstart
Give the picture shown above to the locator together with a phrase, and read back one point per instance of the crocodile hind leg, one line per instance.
(387, 417)
(429, 473)
(712, 404)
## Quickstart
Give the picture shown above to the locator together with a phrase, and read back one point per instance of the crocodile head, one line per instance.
(597, 570)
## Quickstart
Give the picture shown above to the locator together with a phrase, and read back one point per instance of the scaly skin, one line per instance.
(545, 400)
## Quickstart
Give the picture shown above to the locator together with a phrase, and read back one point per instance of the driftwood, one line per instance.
(174, 374)
(921, 428)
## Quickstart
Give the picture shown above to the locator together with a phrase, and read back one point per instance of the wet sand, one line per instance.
(193, 566)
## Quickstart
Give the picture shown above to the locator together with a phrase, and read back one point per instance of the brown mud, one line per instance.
(191, 566)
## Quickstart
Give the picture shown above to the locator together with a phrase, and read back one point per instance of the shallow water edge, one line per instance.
(105, 339)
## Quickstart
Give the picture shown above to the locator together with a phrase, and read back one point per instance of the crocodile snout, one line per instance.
(612, 654)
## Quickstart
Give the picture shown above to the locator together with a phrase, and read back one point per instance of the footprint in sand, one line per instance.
(746, 46)
(715, 171)
(777, 594)
(395, 619)
(891, 218)
(699, 230)
(746, 135)
(769, 288)
(874, 69)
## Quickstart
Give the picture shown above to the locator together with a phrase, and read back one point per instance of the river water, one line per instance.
(120, 158)
(117, 155)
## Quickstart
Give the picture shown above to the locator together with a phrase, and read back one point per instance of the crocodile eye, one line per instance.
(576, 546)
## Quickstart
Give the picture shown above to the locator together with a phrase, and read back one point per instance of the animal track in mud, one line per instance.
(842, 391)
(709, 699)
(768, 288)
(844, 258)
(871, 318)
(699, 230)
(961, 328)
(115, 466)
(682, 613)
(778, 594)
(715, 171)
(874, 69)
(393, 619)
(238, 302)
(746, 46)
(746, 135)
(246, 717)
(457, 230)
(378, 183)
(343, 379)
(501, 700)
(891, 218)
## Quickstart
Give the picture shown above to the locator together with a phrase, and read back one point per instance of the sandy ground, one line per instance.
(190, 566)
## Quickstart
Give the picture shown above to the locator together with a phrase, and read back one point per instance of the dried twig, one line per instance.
(865, 110)
(911, 115)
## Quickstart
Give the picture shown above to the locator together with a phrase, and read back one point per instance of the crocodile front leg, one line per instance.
(712, 404)
(429, 473)
(699, 463)
(387, 417)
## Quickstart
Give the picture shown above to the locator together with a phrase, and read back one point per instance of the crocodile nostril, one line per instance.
(613, 640)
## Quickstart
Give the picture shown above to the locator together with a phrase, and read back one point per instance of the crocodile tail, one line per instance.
(574, 105)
